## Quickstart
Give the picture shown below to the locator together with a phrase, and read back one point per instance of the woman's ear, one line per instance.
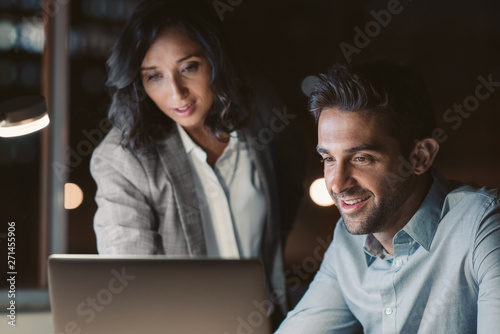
(423, 154)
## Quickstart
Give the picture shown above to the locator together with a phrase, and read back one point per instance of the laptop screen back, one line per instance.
(130, 295)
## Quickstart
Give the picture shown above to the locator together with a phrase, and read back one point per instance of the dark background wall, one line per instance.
(453, 45)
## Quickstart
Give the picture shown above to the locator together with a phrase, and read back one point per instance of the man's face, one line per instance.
(360, 163)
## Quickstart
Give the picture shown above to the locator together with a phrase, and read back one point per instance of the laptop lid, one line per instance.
(93, 294)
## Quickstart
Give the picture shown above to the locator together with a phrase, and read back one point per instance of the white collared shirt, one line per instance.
(232, 202)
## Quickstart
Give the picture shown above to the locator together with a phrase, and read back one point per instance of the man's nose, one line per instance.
(341, 178)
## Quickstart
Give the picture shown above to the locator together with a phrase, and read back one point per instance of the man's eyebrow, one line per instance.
(197, 54)
(321, 150)
(364, 147)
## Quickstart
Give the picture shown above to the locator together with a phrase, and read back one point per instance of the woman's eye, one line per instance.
(153, 77)
(191, 67)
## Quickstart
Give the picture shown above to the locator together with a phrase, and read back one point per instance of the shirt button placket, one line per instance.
(389, 320)
(388, 298)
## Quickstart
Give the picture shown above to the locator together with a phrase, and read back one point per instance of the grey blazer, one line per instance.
(147, 203)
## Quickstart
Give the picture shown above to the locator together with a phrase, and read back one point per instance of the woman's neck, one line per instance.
(208, 143)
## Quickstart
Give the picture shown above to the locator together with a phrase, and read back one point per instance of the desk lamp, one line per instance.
(23, 115)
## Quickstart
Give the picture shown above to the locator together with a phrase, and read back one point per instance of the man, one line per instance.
(412, 252)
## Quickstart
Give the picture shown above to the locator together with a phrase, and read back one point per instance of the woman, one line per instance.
(185, 169)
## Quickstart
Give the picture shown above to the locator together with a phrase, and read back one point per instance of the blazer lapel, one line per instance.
(175, 161)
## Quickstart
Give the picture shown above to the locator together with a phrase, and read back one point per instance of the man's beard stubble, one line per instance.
(379, 214)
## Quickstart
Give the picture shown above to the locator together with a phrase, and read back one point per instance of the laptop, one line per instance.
(94, 294)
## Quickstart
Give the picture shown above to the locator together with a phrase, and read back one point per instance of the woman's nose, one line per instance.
(177, 89)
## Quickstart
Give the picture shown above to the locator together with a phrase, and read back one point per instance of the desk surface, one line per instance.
(28, 323)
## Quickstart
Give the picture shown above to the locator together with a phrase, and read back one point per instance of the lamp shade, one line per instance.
(23, 115)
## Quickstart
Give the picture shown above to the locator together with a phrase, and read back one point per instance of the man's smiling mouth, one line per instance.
(354, 201)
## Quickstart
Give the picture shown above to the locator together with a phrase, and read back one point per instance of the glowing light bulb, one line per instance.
(319, 194)
(73, 196)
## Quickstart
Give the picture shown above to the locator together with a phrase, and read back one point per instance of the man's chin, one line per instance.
(355, 228)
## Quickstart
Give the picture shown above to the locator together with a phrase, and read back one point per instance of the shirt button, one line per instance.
(388, 311)
(398, 263)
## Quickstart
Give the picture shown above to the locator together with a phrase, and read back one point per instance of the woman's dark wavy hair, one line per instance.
(133, 112)
(391, 91)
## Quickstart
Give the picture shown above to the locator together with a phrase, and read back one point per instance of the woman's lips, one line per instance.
(354, 204)
(185, 110)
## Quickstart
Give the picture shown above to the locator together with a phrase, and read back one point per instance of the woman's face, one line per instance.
(177, 77)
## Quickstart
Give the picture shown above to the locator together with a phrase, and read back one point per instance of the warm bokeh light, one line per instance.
(319, 194)
(73, 196)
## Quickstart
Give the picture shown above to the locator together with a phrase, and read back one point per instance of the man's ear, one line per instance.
(423, 154)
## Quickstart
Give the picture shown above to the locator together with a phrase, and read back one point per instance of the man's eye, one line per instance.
(362, 159)
(327, 161)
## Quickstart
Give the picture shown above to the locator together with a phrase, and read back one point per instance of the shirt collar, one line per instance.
(424, 223)
(188, 143)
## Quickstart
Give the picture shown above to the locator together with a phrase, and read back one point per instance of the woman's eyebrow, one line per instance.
(197, 54)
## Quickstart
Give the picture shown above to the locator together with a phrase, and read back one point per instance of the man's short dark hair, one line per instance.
(391, 91)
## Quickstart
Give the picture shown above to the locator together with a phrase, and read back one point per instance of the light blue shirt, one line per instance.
(444, 276)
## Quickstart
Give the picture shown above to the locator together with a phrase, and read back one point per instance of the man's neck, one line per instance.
(408, 210)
